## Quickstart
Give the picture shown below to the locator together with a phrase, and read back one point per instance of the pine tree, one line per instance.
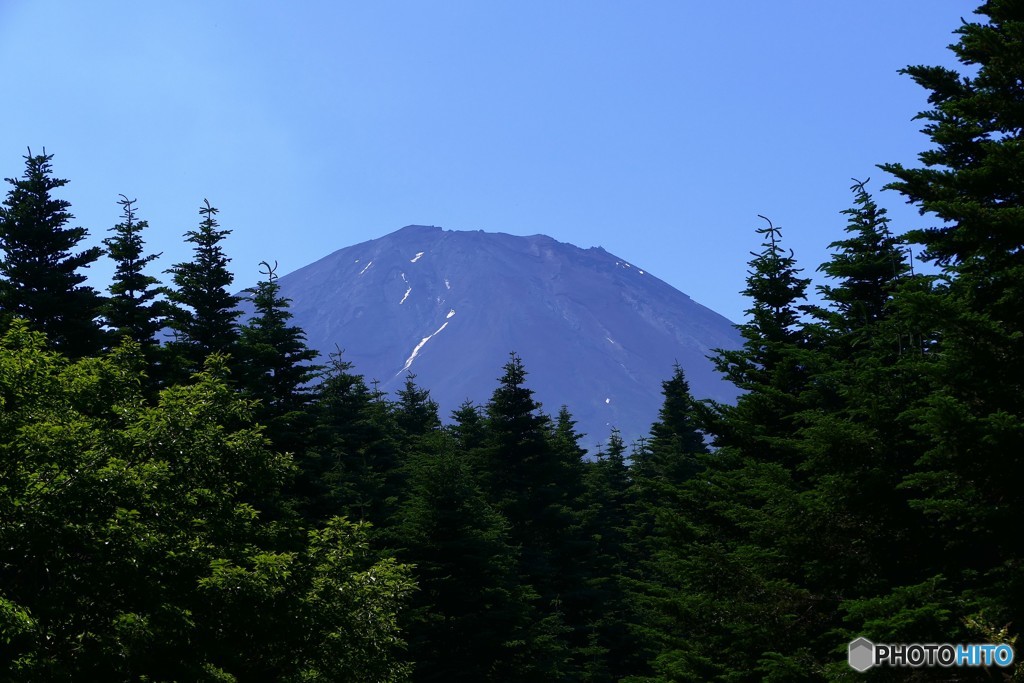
(40, 278)
(859, 541)
(132, 311)
(676, 436)
(521, 465)
(204, 313)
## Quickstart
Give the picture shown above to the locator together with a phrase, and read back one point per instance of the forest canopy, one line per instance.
(190, 494)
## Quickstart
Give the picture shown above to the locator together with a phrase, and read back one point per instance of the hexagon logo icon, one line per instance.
(861, 654)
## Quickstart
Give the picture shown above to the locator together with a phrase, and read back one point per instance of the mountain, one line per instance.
(595, 333)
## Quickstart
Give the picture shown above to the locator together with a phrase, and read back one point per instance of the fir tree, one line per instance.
(276, 363)
(468, 428)
(204, 313)
(40, 272)
(772, 366)
(971, 479)
(132, 311)
(720, 590)
(353, 466)
(608, 503)
(521, 473)
(867, 266)
(469, 620)
(415, 411)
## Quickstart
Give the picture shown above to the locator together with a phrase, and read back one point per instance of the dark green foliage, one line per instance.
(415, 411)
(203, 314)
(867, 266)
(40, 272)
(276, 365)
(774, 363)
(655, 503)
(353, 461)
(971, 478)
(609, 497)
(775, 290)
(521, 466)
(607, 505)
(856, 444)
(868, 482)
(675, 438)
(533, 474)
(468, 427)
(132, 310)
(470, 617)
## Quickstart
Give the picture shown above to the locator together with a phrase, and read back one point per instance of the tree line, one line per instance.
(187, 495)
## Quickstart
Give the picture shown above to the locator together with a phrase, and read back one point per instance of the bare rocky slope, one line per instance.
(595, 333)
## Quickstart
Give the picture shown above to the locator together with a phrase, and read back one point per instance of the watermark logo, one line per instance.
(862, 654)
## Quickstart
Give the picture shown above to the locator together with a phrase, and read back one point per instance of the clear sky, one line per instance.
(657, 129)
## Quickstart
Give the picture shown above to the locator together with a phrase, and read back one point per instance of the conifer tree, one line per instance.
(40, 271)
(867, 267)
(608, 503)
(276, 363)
(773, 365)
(608, 495)
(655, 501)
(469, 620)
(415, 411)
(676, 437)
(468, 429)
(340, 426)
(855, 534)
(583, 592)
(203, 312)
(520, 464)
(132, 310)
(521, 473)
(719, 527)
(353, 466)
(971, 479)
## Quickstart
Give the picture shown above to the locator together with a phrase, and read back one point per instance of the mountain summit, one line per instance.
(595, 332)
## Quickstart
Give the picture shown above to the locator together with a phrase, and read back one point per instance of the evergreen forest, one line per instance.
(187, 494)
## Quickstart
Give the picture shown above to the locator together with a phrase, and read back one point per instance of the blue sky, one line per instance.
(658, 130)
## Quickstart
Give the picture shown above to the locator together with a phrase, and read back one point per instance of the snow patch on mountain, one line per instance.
(416, 350)
(550, 302)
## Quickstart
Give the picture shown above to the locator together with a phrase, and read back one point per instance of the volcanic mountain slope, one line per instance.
(595, 333)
